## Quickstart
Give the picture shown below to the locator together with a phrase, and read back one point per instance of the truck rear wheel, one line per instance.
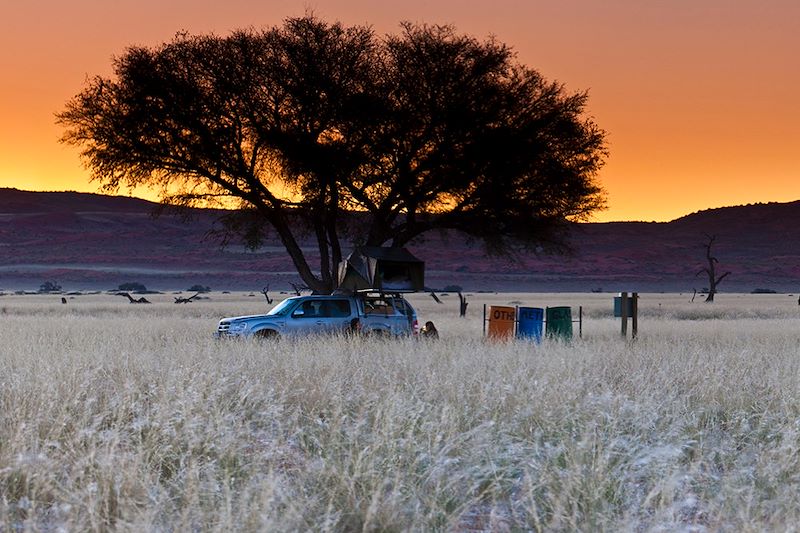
(378, 333)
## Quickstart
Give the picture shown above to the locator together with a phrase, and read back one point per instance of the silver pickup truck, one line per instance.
(378, 314)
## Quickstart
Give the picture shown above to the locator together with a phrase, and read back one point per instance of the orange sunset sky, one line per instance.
(699, 97)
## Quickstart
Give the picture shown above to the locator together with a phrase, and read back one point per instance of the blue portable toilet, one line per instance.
(530, 323)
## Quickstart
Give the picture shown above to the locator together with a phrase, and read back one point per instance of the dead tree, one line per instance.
(710, 270)
(462, 305)
(298, 288)
(182, 300)
(265, 292)
(435, 298)
(133, 300)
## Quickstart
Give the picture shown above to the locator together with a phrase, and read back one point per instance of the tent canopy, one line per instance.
(375, 267)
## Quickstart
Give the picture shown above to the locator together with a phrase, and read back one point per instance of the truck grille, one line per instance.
(223, 328)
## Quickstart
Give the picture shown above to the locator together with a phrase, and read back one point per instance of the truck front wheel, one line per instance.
(267, 334)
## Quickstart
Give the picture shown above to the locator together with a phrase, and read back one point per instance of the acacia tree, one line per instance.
(305, 124)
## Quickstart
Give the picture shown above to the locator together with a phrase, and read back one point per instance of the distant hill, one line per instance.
(14, 201)
(85, 240)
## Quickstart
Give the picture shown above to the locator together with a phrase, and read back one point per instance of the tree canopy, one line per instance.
(306, 123)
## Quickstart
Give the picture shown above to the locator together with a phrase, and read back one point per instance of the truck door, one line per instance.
(338, 313)
(306, 319)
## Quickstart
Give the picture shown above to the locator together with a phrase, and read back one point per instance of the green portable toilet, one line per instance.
(559, 322)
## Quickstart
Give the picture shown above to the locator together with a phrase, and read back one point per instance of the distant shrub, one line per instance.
(49, 286)
(452, 288)
(132, 287)
(199, 288)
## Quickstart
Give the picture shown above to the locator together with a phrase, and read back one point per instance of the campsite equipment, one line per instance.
(378, 268)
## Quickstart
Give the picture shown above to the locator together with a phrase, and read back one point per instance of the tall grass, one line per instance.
(115, 416)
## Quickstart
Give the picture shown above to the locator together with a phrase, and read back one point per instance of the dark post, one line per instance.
(635, 318)
(624, 309)
(462, 307)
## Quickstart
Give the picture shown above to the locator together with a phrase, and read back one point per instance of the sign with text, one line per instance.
(501, 322)
(531, 320)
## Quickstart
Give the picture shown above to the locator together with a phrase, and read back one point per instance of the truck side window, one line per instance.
(379, 306)
(310, 309)
(337, 308)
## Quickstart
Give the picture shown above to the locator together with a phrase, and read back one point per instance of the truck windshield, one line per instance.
(282, 308)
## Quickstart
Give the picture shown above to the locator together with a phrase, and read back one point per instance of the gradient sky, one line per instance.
(699, 97)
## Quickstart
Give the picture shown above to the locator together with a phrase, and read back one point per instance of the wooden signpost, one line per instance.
(628, 306)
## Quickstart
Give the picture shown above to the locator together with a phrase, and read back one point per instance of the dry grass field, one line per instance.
(131, 417)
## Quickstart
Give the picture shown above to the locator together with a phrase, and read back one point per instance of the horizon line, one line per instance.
(641, 221)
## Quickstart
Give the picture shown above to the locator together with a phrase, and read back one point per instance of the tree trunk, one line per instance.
(296, 253)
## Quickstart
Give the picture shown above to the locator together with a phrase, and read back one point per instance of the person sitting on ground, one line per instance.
(429, 330)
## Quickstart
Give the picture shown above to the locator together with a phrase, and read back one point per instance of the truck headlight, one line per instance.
(238, 327)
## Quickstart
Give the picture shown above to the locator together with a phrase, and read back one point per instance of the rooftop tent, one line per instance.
(374, 267)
